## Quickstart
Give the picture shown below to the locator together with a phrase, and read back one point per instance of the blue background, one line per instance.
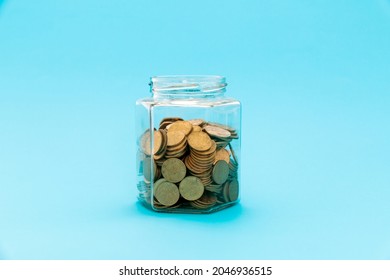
(313, 78)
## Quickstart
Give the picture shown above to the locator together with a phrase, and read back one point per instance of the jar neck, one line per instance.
(187, 86)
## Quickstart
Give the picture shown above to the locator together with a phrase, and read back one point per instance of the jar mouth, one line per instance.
(202, 84)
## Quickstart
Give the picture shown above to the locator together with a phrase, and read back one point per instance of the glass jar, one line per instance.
(188, 145)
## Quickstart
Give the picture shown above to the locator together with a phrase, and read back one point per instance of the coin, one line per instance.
(233, 169)
(149, 172)
(175, 138)
(191, 188)
(146, 142)
(231, 129)
(178, 150)
(167, 193)
(173, 170)
(233, 190)
(217, 131)
(168, 121)
(202, 162)
(196, 128)
(199, 141)
(178, 147)
(171, 119)
(220, 172)
(157, 183)
(182, 126)
(164, 141)
(207, 200)
(225, 192)
(176, 155)
(196, 122)
(222, 154)
(208, 153)
(196, 166)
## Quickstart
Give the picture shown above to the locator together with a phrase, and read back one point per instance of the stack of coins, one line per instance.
(207, 201)
(176, 145)
(160, 150)
(190, 164)
(201, 157)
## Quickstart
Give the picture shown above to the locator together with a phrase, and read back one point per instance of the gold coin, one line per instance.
(196, 122)
(168, 121)
(179, 147)
(175, 150)
(206, 153)
(175, 138)
(167, 193)
(164, 141)
(160, 153)
(173, 170)
(196, 167)
(217, 131)
(199, 141)
(190, 165)
(182, 126)
(200, 169)
(158, 157)
(176, 155)
(191, 188)
(222, 154)
(196, 128)
(220, 172)
(199, 163)
(203, 155)
(146, 142)
(203, 158)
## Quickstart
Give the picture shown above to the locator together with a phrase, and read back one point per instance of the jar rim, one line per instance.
(167, 84)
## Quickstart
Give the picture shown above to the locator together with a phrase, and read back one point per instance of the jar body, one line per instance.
(188, 151)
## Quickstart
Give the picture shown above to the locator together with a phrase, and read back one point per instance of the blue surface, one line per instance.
(313, 77)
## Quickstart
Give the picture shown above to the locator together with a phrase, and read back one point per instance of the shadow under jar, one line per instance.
(188, 145)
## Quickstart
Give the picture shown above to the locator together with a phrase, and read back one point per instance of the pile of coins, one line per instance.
(190, 164)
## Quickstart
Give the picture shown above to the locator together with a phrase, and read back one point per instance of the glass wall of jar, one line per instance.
(188, 145)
